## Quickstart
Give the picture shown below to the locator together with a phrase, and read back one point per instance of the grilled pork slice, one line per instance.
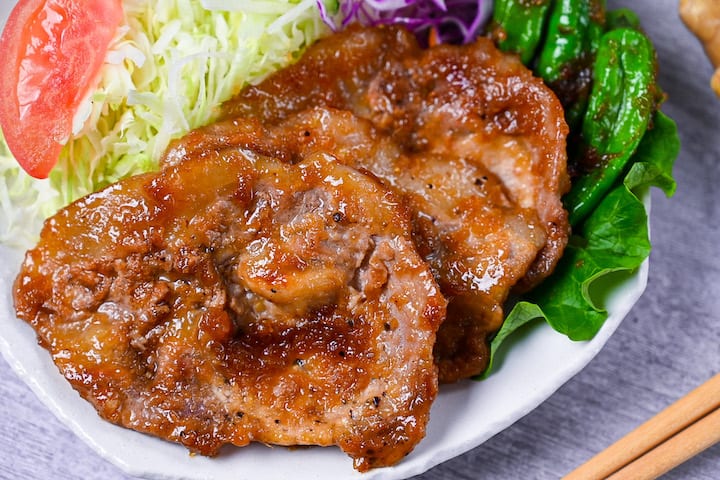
(477, 242)
(457, 115)
(233, 298)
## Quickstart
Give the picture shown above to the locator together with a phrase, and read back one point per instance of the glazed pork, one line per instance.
(467, 229)
(457, 117)
(234, 298)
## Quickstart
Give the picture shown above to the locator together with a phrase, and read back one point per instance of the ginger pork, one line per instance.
(305, 270)
(235, 298)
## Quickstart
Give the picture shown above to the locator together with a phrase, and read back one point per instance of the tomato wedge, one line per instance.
(52, 53)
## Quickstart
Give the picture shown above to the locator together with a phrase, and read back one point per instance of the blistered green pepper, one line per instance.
(619, 110)
(517, 26)
(566, 58)
(566, 39)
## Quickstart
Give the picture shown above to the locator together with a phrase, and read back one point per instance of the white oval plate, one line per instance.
(464, 415)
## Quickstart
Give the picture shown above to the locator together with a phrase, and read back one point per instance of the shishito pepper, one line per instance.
(568, 52)
(517, 26)
(573, 33)
(621, 104)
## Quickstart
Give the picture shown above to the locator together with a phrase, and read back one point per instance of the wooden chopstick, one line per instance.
(678, 449)
(671, 437)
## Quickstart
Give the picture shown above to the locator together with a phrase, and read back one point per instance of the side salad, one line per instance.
(166, 69)
(170, 63)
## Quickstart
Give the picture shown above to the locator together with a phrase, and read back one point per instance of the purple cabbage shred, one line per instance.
(451, 21)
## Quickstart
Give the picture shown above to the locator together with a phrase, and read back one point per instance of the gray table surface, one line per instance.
(667, 345)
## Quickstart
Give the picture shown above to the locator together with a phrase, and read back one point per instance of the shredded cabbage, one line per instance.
(24, 201)
(168, 69)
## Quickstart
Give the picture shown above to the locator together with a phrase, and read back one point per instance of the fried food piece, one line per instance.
(233, 298)
(453, 112)
(702, 17)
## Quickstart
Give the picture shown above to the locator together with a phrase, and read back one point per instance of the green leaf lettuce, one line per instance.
(614, 238)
